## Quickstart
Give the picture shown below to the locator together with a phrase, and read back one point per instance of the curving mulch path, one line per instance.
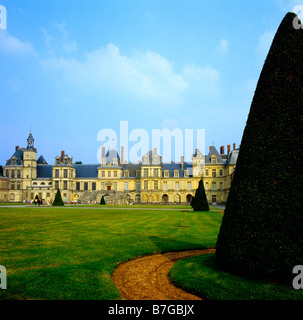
(146, 278)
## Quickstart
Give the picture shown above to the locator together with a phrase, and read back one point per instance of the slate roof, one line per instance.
(110, 155)
(213, 151)
(86, 170)
(44, 171)
(41, 160)
(19, 157)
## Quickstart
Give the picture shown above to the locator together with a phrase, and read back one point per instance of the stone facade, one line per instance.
(149, 181)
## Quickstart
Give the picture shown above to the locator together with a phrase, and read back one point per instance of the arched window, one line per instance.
(13, 174)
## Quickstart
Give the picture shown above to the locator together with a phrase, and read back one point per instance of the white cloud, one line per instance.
(147, 75)
(222, 47)
(11, 44)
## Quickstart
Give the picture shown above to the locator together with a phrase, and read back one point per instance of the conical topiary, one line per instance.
(199, 201)
(262, 228)
(102, 201)
(58, 199)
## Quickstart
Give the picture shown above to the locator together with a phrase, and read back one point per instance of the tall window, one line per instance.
(65, 173)
(214, 186)
(85, 185)
(138, 186)
(13, 174)
(176, 174)
(177, 186)
(56, 185)
(126, 186)
(115, 186)
(206, 173)
(64, 185)
(56, 173)
(214, 173)
(145, 184)
(18, 174)
(145, 173)
(77, 186)
(102, 186)
(126, 174)
(221, 172)
(109, 174)
(206, 186)
(156, 174)
(155, 185)
(165, 186)
(18, 185)
(94, 186)
(166, 174)
(102, 173)
(221, 185)
(115, 174)
(188, 185)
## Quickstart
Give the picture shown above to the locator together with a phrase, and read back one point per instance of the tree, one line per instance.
(102, 201)
(199, 201)
(261, 234)
(78, 162)
(58, 199)
(1, 170)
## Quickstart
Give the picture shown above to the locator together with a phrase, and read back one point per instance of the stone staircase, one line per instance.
(115, 197)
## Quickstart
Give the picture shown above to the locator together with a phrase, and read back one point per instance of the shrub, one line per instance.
(58, 199)
(102, 201)
(262, 228)
(199, 201)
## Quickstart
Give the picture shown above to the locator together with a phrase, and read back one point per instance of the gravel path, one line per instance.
(146, 278)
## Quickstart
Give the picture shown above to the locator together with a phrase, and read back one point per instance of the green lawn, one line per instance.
(70, 253)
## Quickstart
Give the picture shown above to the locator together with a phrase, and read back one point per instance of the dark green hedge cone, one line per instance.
(58, 199)
(199, 201)
(262, 228)
(102, 201)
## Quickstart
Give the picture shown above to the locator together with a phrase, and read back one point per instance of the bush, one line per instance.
(102, 201)
(262, 228)
(199, 201)
(58, 199)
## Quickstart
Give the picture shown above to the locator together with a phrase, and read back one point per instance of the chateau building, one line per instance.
(26, 177)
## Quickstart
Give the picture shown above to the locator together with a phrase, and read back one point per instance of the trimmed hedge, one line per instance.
(199, 201)
(58, 199)
(262, 228)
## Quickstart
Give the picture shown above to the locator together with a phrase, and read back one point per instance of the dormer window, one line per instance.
(176, 174)
(213, 159)
(13, 162)
(57, 160)
(126, 174)
(166, 174)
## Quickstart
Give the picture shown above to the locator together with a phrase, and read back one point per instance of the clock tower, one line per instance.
(30, 159)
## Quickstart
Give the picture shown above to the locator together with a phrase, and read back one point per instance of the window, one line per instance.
(115, 174)
(109, 173)
(115, 186)
(56, 185)
(206, 173)
(214, 198)
(145, 185)
(126, 174)
(18, 185)
(145, 173)
(166, 174)
(94, 186)
(176, 174)
(165, 186)
(13, 186)
(35, 183)
(18, 174)
(13, 174)
(48, 195)
(102, 173)
(221, 172)
(138, 173)
(58, 160)
(221, 185)
(214, 186)
(177, 186)
(214, 159)
(7, 173)
(156, 173)
(77, 186)
(56, 173)
(155, 185)
(102, 186)
(126, 186)
(85, 185)
(138, 186)
(64, 185)
(13, 162)
(214, 173)
(65, 173)
(188, 185)
(206, 186)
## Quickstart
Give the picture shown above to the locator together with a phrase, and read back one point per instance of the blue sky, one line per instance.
(69, 69)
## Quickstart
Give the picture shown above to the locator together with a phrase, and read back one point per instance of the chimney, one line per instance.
(182, 162)
(155, 151)
(103, 152)
(122, 156)
(228, 148)
(222, 150)
(234, 146)
(209, 148)
(17, 147)
(62, 155)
